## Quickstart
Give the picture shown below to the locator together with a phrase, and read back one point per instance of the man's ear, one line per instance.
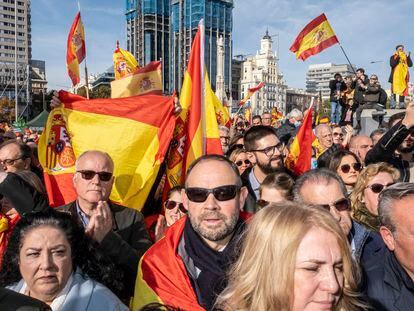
(27, 162)
(184, 198)
(388, 237)
(251, 157)
(242, 197)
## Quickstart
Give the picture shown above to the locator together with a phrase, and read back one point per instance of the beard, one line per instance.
(218, 231)
(268, 168)
(403, 148)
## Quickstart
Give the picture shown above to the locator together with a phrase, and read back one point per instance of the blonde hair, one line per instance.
(262, 278)
(364, 177)
(236, 152)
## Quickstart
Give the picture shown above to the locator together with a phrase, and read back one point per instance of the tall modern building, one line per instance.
(218, 21)
(15, 31)
(319, 75)
(148, 33)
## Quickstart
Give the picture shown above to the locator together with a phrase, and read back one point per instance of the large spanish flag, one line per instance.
(196, 132)
(314, 38)
(125, 63)
(300, 151)
(76, 51)
(144, 80)
(128, 129)
(250, 92)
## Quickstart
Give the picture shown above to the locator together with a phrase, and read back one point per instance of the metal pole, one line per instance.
(15, 62)
(347, 58)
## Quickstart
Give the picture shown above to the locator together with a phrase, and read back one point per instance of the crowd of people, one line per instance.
(242, 233)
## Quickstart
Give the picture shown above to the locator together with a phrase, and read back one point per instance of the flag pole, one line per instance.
(86, 68)
(349, 62)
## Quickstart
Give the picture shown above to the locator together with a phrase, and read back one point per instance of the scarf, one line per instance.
(213, 264)
(400, 75)
(366, 218)
(6, 227)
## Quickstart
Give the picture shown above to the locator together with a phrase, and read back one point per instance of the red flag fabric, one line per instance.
(76, 51)
(250, 92)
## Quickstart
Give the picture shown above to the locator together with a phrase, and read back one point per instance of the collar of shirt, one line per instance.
(254, 183)
(82, 215)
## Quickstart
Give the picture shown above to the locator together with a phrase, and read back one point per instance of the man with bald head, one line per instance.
(360, 145)
(119, 231)
(325, 137)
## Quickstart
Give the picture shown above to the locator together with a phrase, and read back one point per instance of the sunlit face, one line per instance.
(325, 137)
(350, 176)
(11, 159)
(274, 195)
(370, 198)
(363, 144)
(318, 278)
(267, 119)
(273, 160)
(242, 161)
(224, 140)
(337, 135)
(45, 262)
(174, 214)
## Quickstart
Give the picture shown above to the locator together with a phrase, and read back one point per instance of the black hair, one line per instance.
(85, 253)
(361, 69)
(337, 75)
(399, 46)
(256, 116)
(395, 117)
(336, 158)
(255, 133)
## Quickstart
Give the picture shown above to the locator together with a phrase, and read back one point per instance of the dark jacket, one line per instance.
(12, 301)
(375, 94)
(332, 86)
(286, 131)
(359, 91)
(384, 150)
(250, 204)
(387, 285)
(126, 243)
(394, 61)
(367, 243)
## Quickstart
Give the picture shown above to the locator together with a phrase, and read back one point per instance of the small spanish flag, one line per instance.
(314, 38)
(76, 51)
(125, 63)
(250, 92)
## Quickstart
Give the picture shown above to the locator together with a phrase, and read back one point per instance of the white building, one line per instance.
(319, 75)
(264, 67)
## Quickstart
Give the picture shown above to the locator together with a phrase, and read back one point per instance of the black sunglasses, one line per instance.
(172, 204)
(88, 175)
(222, 193)
(340, 205)
(377, 188)
(346, 167)
(240, 162)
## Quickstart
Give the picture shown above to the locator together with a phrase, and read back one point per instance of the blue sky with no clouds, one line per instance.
(368, 31)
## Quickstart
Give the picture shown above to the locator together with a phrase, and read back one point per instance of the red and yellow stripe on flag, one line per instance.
(314, 38)
(250, 92)
(196, 132)
(125, 63)
(162, 276)
(222, 114)
(145, 80)
(127, 129)
(76, 51)
(300, 151)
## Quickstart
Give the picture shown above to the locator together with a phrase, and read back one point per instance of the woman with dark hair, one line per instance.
(347, 165)
(50, 258)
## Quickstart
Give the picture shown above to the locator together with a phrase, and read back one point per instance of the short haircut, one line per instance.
(379, 131)
(105, 154)
(215, 157)
(174, 189)
(257, 117)
(319, 127)
(25, 151)
(280, 181)
(337, 75)
(295, 113)
(395, 118)
(386, 201)
(253, 134)
(316, 176)
(361, 70)
(399, 46)
(336, 158)
(224, 128)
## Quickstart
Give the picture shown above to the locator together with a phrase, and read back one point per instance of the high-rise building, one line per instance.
(236, 74)
(264, 67)
(319, 75)
(148, 25)
(218, 21)
(15, 32)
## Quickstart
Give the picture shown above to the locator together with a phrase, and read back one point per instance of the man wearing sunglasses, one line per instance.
(265, 152)
(119, 231)
(189, 265)
(324, 188)
(15, 156)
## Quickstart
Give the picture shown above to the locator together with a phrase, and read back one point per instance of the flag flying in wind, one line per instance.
(314, 38)
(144, 80)
(134, 131)
(250, 92)
(125, 63)
(76, 51)
(196, 132)
(300, 151)
(222, 114)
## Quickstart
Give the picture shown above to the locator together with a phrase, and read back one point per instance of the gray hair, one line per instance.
(316, 176)
(224, 128)
(387, 198)
(295, 113)
(320, 127)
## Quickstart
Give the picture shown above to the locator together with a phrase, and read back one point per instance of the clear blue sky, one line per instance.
(368, 31)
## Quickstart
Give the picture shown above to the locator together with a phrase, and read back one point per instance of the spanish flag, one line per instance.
(125, 63)
(76, 51)
(196, 132)
(314, 38)
(250, 92)
(144, 80)
(300, 152)
(128, 129)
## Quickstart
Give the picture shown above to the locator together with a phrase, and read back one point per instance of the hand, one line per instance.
(55, 102)
(160, 227)
(349, 130)
(177, 106)
(100, 223)
(408, 120)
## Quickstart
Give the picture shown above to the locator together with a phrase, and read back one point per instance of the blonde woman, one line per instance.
(293, 258)
(370, 183)
(239, 157)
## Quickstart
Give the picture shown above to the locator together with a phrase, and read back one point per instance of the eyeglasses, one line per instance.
(88, 175)
(346, 167)
(240, 162)
(269, 151)
(377, 188)
(262, 203)
(222, 193)
(225, 137)
(172, 204)
(11, 161)
(338, 134)
(340, 205)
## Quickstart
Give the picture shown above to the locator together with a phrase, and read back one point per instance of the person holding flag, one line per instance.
(399, 77)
